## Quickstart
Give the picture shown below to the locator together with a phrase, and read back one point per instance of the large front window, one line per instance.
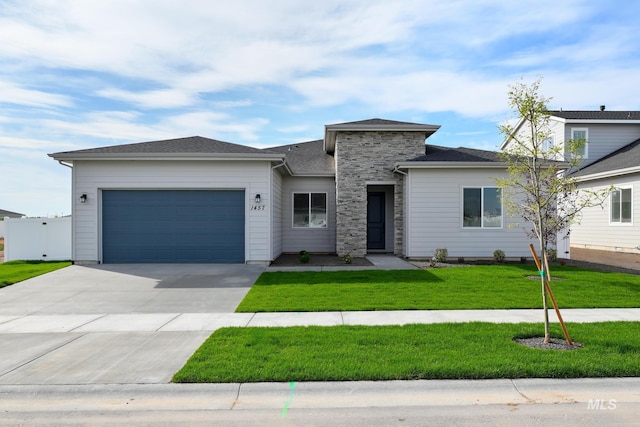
(310, 210)
(621, 205)
(482, 207)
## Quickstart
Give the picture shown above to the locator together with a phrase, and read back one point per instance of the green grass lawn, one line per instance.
(437, 351)
(459, 288)
(16, 271)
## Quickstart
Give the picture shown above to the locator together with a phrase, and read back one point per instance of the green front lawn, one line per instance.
(16, 271)
(438, 351)
(456, 288)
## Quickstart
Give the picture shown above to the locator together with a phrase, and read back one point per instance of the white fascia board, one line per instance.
(167, 156)
(609, 174)
(448, 165)
(515, 130)
(616, 122)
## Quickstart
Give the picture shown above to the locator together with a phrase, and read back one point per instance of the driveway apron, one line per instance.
(101, 324)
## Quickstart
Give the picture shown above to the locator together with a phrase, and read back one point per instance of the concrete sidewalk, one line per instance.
(209, 322)
(150, 348)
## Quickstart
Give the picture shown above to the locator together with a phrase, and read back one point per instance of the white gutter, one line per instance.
(609, 174)
(448, 165)
(166, 156)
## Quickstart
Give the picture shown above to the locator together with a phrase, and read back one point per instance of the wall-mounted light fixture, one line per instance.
(257, 199)
(83, 198)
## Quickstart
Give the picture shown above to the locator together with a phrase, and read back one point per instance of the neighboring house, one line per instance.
(611, 158)
(370, 186)
(3, 214)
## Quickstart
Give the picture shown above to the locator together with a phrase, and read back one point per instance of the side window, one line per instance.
(310, 210)
(482, 207)
(621, 209)
(582, 134)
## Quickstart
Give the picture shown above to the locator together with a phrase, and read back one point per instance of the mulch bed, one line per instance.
(553, 344)
(317, 260)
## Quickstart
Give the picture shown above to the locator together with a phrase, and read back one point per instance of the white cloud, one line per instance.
(14, 94)
(152, 99)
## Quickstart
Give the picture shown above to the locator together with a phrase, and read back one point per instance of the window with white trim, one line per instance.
(621, 211)
(310, 210)
(581, 134)
(482, 207)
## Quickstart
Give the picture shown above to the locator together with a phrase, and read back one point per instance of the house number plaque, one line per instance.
(257, 208)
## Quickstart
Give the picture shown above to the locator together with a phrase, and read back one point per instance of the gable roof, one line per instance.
(596, 115)
(621, 161)
(306, 158)
(373, 125)
(10, 214)
(179, 147)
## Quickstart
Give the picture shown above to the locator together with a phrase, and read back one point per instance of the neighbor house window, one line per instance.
(310, 210)
(621, 205)
(482, 207)
(548, 143)
(581, 134)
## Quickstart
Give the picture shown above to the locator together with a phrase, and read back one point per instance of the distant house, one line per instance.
(370, 186)
(611, 158)
(5, 213)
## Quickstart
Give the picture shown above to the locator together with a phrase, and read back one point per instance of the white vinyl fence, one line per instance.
(37, 238)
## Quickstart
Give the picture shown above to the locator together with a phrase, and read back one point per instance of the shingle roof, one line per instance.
(192, 144)
(306, 158)
(597, 115)
(437, 153)
(626, 157)
(377, 121)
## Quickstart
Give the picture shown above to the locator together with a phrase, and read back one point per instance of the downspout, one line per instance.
(70, 166)
(396, 169)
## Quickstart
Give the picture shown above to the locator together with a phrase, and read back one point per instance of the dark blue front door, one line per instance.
(173, 226)
(375, 220)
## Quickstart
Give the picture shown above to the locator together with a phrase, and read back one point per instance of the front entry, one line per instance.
(376, 220)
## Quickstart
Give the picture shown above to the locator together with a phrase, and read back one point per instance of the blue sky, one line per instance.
(89, 73)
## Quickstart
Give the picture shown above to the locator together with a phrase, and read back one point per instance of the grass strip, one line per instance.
(438, 351)
(16, 271)
(458, 288)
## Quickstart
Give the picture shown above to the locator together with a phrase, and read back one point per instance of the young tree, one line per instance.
(539, 187)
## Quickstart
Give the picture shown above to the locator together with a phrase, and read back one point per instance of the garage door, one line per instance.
(172, 226)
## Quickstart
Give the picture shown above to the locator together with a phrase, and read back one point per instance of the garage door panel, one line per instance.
(167, 226)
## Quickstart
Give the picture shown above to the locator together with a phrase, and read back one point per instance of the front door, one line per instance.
(375, 220)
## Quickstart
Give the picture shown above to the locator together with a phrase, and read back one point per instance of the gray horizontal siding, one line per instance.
(595, 230)
(434, 204)
(309, 239)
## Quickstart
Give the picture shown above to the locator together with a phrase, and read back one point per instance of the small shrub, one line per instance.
(304, 257)
(348, 259)
(461, 260)
(441, 255)
(498, 255)
(552, 255)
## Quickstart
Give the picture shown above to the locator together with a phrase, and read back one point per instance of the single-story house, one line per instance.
(370, 186)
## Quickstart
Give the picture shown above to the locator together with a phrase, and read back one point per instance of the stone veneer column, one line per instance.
(363, 157)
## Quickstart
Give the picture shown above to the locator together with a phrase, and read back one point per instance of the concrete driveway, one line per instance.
(115, 323)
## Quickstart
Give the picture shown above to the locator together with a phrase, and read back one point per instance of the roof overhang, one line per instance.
(449, 165)
(74, 156)
(609, 174)
(594, 121)
(330, 131)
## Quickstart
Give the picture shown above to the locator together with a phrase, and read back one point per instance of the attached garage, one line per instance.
(173, 226)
